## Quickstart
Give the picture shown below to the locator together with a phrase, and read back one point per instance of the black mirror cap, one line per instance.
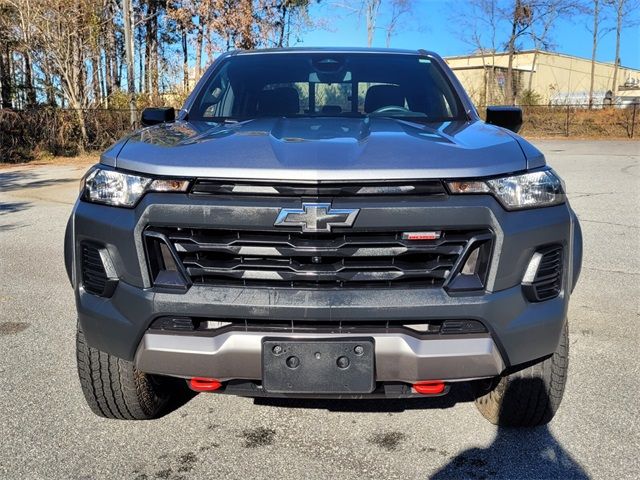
(506, 117)
(154, 116)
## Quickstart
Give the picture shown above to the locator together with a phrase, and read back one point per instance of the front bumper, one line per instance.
(398, 358)
(518, 331)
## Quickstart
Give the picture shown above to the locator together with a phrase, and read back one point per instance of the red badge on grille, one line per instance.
(421, 235)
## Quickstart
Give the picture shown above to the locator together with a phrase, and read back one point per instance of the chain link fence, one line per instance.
(27, 134)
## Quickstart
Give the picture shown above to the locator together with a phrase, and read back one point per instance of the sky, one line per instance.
(431, 26)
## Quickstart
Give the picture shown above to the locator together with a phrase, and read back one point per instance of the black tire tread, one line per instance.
(113, 388)
(529, 397)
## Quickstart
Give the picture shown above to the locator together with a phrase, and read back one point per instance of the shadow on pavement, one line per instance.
(515, 453)
(16, 180)
(11, 207)
(529, 398)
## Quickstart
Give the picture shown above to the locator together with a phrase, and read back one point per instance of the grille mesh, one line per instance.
(328, 260)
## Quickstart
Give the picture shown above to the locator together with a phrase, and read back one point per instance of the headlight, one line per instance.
(529, 190)
(120, 189)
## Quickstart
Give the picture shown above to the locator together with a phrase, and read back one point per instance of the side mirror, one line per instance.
(506, 117)
(154, 116)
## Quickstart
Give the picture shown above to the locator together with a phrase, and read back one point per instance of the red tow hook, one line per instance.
(200, 384)
(429, 387)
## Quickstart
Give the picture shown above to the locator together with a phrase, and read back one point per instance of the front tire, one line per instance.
(114, 388)
(529, 397)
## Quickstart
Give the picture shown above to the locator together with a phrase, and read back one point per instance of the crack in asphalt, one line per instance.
(610, 223)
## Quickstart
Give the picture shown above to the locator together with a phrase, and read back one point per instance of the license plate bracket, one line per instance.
(344, 366)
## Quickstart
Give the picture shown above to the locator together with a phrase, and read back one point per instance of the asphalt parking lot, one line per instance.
(47, 431)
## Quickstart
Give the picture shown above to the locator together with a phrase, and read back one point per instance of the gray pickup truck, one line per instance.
(324, 223)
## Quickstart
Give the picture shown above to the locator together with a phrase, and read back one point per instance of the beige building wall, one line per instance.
(557, 78)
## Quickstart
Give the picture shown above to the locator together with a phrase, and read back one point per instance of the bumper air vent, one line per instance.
(543, 278)
(98, 276)
(415, 328)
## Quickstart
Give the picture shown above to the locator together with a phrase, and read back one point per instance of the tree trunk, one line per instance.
(151, 50)
(109, 52)
(142, 76)
(49, 89)
(533, 68)
(185, 60)
(114, 50)
(127, 13)
(28, 80)
(509, 93)
(199, 47)
(5, 78)
(619, 15)
(76, 105)
(247, 40)
(95, 79)
(596, 13)
(372, 14)
(283, 25)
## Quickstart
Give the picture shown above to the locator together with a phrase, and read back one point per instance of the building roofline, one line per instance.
(544, 52)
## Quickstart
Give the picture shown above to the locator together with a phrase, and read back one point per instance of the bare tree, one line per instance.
(477, 23)
(277, 20)
(7, 43)
(62, 28)
(597, 33)
(521, 20)
(150, 22)
(542, 27)
(182, 13)
(127, 14)
(594, 47)
(399, 9)
(371, 9)
(622, 11)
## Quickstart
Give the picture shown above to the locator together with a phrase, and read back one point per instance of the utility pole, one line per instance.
(127, 14)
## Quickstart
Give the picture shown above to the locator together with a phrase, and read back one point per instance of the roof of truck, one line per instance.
(333, 50)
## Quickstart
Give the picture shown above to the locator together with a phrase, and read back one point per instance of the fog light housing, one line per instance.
(471, 271)
(165, 268)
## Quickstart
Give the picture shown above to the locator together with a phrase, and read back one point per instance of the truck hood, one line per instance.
(322, 149)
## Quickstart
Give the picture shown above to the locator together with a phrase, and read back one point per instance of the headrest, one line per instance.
(379, 96)
(279, 101)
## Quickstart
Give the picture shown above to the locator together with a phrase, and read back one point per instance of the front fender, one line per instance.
(577, 250)
(68, 249)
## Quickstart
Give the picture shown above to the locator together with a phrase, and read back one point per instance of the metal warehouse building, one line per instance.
(556, 78)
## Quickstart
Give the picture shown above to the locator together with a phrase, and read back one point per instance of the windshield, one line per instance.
(327, 84)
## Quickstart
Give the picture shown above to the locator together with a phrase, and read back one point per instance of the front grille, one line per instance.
(94, 276)
(252, 258)
(548, 280)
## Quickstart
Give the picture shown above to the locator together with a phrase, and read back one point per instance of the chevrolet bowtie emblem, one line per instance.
(316, 217)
